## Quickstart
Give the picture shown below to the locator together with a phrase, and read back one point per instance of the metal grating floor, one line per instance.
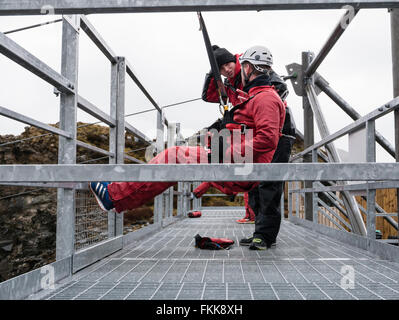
(166, 265)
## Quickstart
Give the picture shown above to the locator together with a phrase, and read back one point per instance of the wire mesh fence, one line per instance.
(91, 223)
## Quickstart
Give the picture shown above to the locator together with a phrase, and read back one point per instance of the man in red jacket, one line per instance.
(265, 199)
(261, 111)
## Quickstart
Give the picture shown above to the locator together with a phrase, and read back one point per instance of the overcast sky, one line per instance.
(168, 55)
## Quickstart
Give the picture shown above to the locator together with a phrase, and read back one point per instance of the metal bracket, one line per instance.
(299, 80)
(73, 20)
(56, 92)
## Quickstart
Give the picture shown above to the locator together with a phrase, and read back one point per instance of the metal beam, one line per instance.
(137, 133)
(331, 41)
(308, 131)
(395, 74)
(132, 75)
(351, 187)
(15, 52)
(159, 205)
(24, 119)
(381, 111)
(65, 237)
(91, 109)
(200, 172)
(330, 92)
(78, 186)
(29, 7)
(94, 148)
(133, 159)
(92, 33)
(350, 202)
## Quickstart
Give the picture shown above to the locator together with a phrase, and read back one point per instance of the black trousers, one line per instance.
(266, 198)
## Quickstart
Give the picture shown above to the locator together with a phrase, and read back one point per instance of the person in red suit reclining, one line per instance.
(260, 109)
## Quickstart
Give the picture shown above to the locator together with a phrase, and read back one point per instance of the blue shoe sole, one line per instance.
(100, 203)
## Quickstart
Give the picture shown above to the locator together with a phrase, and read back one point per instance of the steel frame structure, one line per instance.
(68, 176)
(27, 7)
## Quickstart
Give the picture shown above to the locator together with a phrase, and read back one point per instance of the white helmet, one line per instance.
(258, 55)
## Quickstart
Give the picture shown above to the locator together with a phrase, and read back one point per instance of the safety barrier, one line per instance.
(100, 235)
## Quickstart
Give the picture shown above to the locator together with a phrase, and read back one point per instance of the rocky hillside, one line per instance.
(28, 215)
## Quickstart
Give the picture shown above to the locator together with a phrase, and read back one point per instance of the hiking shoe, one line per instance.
(246, 241)
(244, 220)
(100, 191)
(258, 244)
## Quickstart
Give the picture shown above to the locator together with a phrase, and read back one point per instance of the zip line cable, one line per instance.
(164, 107)
(97, 122)
(33, 26)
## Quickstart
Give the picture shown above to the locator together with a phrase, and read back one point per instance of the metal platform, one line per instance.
(303, 266)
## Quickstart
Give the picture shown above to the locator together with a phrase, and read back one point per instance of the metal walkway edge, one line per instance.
(166, 265)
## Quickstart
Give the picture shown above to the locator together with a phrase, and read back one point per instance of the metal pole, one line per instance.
(336, 34)
(65, 237)
(308, 132)
(172, 129)
(395, 72)
(325, 87)
(282, 204)
(290, 195)
(117, 134)
(180, 185)
(160, 145)
(298, 200)
(315, 203)
(371, 193)
(196, 202)
(351, 205)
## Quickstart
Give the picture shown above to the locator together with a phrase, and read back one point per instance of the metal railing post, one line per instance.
(315, 204)
(117, 134)
(298, 199)
(160, 145)
(289, 197)
(395, 73)
(65, 237)
(308, 123)
(196, 202)
(282, 205)
(371, 193)
(172, 130)
(333, 156)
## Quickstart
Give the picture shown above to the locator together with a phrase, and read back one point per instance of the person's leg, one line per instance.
(268, 218)
(130, 195)
(249, 214)
(246, 205)
(253, 202)
(201, 189)
(246, 218)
